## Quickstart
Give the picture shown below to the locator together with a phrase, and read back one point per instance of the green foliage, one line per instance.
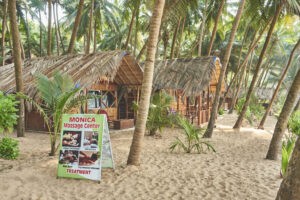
(254, 110)
(192, 140)
(9, 148)
(159, 115)
(294, 123)
(8, 110)
(221, 112)
(59, 96)
(287, 150)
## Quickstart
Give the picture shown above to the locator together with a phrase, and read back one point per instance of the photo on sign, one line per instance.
(71, 139)
(90, 139)
(68, 157)
(89, 158)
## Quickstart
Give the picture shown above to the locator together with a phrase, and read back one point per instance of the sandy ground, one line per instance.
(237, 170)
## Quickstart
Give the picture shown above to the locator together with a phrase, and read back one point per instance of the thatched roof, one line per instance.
(117, 66)
(190, 74)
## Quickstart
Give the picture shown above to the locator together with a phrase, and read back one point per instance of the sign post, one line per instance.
(85, 147)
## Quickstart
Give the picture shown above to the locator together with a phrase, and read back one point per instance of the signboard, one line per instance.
(85, 146)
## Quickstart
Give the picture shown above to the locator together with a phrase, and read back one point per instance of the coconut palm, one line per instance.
(283, 119)
(3, 31)
(139, 131)
(281, 4)
(17, 64)
(261, 125)
(209, 130)
(49, 50)
(75, 28)
(58, 96)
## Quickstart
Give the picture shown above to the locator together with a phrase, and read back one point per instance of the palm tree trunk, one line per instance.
(9, 36)
(236, 95)
(75, 28)
(297, 105)
(41, 34)
(3, 32)
(258, 66)
(28, 37)
(136, 29)
(180, 38)
(58, 29)
(56, 32)
(17, 64)
(214, 111)
(246, 58)
(290, 185)
(283, 119)
(215, 28)
(95, 35)
(139, 131)
(262, 122)
(243, 43)
(201, 35)
(249, 71)
(22, 49)
(174, 39)
(130, 28)
(90, 27)
(49, 39)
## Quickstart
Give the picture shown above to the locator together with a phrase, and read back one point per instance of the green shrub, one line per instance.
(287, 150)
(160, 114)
(254, 110)
(221, 112)
(294, 123)
(9, 148)
(192, 139)
(8, 110)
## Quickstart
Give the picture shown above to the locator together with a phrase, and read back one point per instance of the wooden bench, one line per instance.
(123, 123)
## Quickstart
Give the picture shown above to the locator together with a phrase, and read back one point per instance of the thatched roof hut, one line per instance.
(117, 66)
(190, 74)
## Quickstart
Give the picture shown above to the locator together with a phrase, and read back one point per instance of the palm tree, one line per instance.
(3, 32)
(212, 120)
(90, 27)
(283, 119)
(17, 64)
(201, 35)
(139, 131)
(289, 187)
(262, 122)
(75, 28)
(49, 51)
(279, 8)
(59, 96)
(213, 35)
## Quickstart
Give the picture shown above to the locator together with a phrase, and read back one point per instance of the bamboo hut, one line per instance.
(192, 82)
(115, 75)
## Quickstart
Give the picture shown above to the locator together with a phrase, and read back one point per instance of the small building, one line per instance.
(192, 82)
(114, 74)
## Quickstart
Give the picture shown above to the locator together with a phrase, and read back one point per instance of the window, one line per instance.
(93, 103)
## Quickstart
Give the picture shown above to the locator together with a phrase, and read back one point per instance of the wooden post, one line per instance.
(199, 108)
(177, 98)
(187, 107)
(208, 102)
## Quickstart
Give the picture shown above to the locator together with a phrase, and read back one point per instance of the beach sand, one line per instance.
(238, 170)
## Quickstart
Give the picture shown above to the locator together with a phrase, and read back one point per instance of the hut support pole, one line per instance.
(199, 109)
(177, 95)
(208, 103)
(187, 108)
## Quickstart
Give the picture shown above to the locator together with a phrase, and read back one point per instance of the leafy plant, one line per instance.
(221, 112)
(8, 110)
(159, 115)
(287, 150)
(59, 96)
(294, 123)
(192, 139)
(9, 148)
